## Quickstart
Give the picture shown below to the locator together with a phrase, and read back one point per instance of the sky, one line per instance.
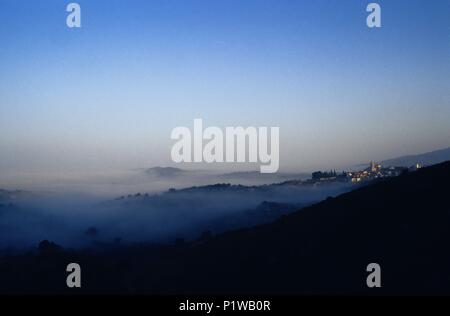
(106, 96)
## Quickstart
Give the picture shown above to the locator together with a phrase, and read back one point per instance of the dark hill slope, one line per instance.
(402, 223)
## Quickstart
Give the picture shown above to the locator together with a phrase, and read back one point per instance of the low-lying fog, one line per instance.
(110, 184)
(138, 206)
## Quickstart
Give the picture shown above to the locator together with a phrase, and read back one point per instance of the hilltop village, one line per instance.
(373, 171)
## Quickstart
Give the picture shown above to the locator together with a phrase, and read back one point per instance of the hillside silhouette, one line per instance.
(401, 223)
(428, 159)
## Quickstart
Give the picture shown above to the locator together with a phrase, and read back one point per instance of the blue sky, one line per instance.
(107, 96)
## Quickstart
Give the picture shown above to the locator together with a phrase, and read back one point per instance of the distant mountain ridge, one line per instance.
(166, 172)
(428, 159)
(256, 174)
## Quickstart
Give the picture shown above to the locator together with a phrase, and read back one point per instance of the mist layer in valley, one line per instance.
(151, 210)
(109, 184)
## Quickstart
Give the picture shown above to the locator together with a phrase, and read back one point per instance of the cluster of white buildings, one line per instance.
(373, 171)
(376, 170)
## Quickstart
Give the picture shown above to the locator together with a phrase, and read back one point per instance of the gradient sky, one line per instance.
(107, 96)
